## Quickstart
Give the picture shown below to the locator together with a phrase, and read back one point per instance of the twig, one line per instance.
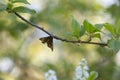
(56, 37)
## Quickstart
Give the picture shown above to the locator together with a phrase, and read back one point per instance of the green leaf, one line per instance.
(115, 45)
(20, 27)
(109, 27)
(117, 29)
(96, 35)
(21, 1)
(9, 6)
(15, 33)
(22, 9)
(99, 26)
(93, 75)
(82, 30)
(17, 29)
(89, 27)
(75, 28)
(2, 7)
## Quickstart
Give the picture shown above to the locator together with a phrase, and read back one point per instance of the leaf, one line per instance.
(20, 27)
(117, 29)
(17, 29)
(82, 30)
(2, 7)
(77, 30)
(96, 35)
(114, 44)
(93, 75)
(89, 27)
(9, 6)
(48, 40)
(15, 34)
(109, 27)
(23, 9)
(99, 26)
(21, 1)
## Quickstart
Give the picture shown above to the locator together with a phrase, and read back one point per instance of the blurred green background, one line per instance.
(24, 57)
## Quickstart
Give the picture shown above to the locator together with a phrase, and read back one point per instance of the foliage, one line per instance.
(57, 17)
(22, 9)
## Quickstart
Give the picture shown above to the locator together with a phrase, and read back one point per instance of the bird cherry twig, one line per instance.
(56, 37)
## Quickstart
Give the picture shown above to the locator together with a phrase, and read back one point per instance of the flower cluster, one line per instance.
(81, 71)
(50, 75)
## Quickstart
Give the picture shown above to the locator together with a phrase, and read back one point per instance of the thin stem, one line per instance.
(56, 37)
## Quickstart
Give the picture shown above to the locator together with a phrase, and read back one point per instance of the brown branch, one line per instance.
(56, 37)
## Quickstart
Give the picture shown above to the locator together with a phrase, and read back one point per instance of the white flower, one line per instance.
(81, 71)
(50, 75)
(78, 72)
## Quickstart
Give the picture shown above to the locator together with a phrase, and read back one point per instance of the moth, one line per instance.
(48, 40)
